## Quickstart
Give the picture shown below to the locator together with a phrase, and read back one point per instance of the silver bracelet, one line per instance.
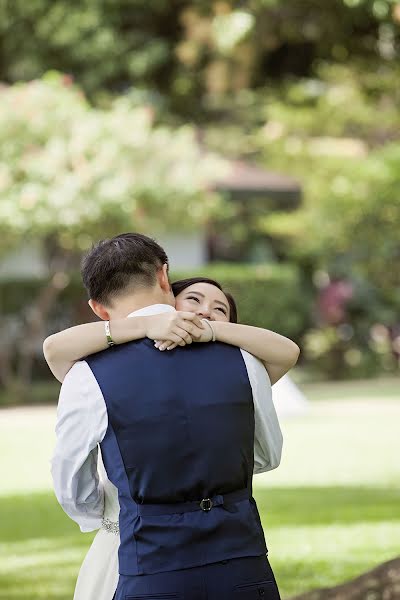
(110, 341)
(211, 327)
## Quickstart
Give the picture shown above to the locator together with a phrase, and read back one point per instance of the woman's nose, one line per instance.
(204, 312)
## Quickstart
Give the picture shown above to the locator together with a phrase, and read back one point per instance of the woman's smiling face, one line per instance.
(204, 299)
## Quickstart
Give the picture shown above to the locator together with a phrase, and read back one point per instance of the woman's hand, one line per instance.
(64, 348)
(178, 328)
(205, 335)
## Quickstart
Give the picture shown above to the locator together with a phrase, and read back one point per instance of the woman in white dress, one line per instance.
(98, 576)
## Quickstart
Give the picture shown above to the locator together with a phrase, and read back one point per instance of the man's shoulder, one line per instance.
(255, 366)
(250, 358)
(79, 371)
(114, 352)
(79, 383)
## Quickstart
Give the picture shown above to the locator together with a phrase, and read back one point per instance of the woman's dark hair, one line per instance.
(182, 284)
(123, 263)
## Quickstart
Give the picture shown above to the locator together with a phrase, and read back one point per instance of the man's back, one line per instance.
(180, 429)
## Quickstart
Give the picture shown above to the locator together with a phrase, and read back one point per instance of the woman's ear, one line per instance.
(99, 310)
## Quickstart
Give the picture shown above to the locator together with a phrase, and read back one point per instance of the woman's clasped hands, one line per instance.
(179, 328)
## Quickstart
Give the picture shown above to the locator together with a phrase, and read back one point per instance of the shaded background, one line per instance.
(259, 142)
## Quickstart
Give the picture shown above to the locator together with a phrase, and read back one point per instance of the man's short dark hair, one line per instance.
(122, 264)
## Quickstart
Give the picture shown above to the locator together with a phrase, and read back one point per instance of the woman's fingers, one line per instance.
(192, 323)
(182, 333)
(172, 346)
(189, 316)
(173, 338)
(180, 336)
(168, 346)
(191, 328)
(162, 326)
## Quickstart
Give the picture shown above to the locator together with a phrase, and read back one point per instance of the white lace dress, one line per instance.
(98, 575)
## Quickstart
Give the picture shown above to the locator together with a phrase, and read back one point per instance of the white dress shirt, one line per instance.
(82, 423)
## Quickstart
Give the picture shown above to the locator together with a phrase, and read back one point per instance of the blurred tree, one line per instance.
(359, 221)
(70, 174)
(339, 134)
(348, 229)
(67, 167)
(190, 55)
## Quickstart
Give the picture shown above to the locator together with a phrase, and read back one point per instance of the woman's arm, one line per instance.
(61, 350)
(278, 353)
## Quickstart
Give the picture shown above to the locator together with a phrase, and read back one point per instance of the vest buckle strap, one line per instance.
(226, 501)
(206, 504)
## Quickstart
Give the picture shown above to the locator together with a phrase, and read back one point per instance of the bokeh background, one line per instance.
(259, 142)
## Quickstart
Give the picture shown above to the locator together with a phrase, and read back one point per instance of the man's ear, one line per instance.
(163, 279)
(99, 310)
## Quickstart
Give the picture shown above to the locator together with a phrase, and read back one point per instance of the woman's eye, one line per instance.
(193, 298)
(222, 310)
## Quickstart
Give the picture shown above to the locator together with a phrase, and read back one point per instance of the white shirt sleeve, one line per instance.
(268, 438)
(81, 425)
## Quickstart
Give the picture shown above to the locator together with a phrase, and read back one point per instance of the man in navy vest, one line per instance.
(176, 432)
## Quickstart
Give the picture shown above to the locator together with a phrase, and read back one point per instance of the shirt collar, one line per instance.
(153, 309)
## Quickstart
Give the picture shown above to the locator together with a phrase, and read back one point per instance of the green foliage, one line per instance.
(348, 227)
(40, 392)
(189, 56)
(339, 101)
(338, 134)
(366, 354)
(361, 210)
(271, 296)
(74, 172)
(103, 44)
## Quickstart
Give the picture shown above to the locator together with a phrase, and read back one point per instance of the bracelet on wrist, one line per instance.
(212, 329)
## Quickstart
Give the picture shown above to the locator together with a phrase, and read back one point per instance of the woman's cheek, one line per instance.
(219, 316)
(186, 306)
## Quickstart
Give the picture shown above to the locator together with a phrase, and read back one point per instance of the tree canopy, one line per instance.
(74, 171)
(185, 54)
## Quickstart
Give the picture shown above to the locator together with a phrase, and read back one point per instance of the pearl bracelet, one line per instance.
(211, 327)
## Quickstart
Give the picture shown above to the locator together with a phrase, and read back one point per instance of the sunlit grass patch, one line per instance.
(40, 549)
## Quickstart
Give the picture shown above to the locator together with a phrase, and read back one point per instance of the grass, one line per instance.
(330, 512)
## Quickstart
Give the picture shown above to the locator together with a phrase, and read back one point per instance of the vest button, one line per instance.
(261, 591)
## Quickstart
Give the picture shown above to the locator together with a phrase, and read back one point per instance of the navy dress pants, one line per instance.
(249, 578)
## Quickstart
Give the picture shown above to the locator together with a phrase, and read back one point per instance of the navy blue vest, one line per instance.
(180, 428)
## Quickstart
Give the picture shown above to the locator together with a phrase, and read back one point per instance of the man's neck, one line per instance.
(125, 306)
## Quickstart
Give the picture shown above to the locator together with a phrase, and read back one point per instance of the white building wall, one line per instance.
(26, 261)
(185, 251)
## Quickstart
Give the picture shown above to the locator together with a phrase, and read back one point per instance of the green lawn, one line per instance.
(331, 511)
